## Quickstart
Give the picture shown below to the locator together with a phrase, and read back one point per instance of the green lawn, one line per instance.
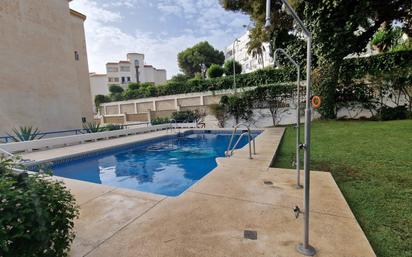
(372, 164)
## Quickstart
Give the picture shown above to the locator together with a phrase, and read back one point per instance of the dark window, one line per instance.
(128, 79)
(76, 55)
(84, 119)
(123, 80)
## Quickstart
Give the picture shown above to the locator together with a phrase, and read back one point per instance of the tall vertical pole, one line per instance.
(298, 184)
(304, 248)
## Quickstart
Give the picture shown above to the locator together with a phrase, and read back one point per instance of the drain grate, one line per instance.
(267, 182)
(250, 234)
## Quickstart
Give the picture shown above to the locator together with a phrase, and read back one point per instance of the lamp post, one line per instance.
(234, 64)
(304, 248)
(136, 65)
(298, 185)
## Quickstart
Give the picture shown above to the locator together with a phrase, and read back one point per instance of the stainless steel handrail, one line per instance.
(171, 122)
(229, 152)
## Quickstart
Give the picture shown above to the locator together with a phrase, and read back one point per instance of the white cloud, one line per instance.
(107, 42)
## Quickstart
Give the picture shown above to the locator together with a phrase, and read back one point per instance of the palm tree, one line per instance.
(255, 46)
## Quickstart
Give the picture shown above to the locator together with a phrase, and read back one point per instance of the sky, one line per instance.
(160, 29)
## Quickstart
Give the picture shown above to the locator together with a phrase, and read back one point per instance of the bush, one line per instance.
(159, 121)
(36, 215)
(99, 99)
(215, 71)
(115, 89)
(228, 67)
(187, 116)
(133, 86)
(393, 113)
(111, 127)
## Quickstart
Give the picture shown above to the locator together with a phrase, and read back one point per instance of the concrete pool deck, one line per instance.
(210, 218)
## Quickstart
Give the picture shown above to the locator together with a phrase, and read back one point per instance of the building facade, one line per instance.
(239, 50)
(44, 79)
(134, 69)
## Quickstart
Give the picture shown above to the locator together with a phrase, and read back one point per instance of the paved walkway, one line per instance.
(210, 218)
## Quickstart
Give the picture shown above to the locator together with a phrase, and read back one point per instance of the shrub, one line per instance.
(159, 121)
(92, 127)
(111, 127)
(220, 113)
(188, 116)
(215, 71)
(115, 89)
(100, 99)
(36, 215)
(393, 113)
(133, 86)
(228, 67)
(25, 134)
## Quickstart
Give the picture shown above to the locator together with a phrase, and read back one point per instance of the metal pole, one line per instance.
(304, 248)
(298, 185)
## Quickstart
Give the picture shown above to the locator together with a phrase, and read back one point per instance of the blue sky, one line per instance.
(158, 28)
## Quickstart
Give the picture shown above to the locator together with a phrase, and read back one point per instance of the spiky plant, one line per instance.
(24, 133)
(92, 127)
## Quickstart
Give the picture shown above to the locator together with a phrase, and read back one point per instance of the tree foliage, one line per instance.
(228, 67)
(215, 71)
(192, 60)
(339, 28)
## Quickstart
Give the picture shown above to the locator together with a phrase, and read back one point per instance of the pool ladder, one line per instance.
(171, 127)
(231, 149)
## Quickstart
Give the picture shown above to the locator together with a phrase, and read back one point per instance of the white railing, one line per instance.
(49, 143)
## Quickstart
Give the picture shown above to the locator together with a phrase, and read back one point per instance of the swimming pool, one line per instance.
(167, 165)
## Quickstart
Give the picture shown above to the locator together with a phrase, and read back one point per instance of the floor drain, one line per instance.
(250, 234)
(267, 182)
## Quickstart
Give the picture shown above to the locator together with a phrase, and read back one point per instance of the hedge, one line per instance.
(257, 78)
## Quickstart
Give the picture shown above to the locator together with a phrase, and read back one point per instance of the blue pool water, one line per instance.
(166, 166)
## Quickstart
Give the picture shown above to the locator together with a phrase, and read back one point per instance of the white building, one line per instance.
(248, 62)
(124, 72)
(134, 70)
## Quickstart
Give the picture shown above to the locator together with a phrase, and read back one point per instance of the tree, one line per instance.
(228, 67)
(274, 98)
(339, 28)
(215, 71)
(219, 111)
(180, 78)
(238, 107)
(386, 38)
(100, 99)
(198, 58)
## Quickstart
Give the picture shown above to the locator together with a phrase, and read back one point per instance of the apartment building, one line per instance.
(239, 50)
(134, 69)
(44, 79)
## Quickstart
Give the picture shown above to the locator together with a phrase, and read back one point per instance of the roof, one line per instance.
(111, 63)
(124, 62)
(77, 14)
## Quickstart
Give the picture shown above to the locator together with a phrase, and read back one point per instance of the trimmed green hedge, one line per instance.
(358, 68)
(257, 78)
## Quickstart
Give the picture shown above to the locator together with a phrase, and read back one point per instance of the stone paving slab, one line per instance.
(210, 219)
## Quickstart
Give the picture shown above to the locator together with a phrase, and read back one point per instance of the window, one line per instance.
(116, 79)
(111, 79)
(76, 55)
(112, 69)
(123, 80)
(128, 79)
(124, 68)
